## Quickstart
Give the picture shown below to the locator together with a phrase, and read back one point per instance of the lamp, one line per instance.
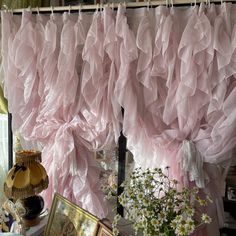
(24, 181)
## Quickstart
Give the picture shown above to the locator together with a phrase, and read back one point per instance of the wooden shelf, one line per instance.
(229, 228)
(229, 205)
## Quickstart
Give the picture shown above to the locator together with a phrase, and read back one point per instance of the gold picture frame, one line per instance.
(68, 219)
(103, 230)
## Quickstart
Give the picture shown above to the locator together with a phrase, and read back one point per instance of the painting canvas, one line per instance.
(68, 219)
(104, 230)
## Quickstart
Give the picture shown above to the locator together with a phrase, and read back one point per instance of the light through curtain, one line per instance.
(171, 69)
(3, 134)
(3, 138)
(4, 142)
(3, 152)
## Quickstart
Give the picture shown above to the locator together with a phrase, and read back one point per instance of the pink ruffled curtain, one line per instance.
(173, 71)
(181, 68)
(52, 70)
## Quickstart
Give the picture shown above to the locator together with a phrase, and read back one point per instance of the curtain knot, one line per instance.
(192, 163)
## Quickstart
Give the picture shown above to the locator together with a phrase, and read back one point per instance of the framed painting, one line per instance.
(68, 219)
(104, 230)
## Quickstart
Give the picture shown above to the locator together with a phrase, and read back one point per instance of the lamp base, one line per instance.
(33, 206)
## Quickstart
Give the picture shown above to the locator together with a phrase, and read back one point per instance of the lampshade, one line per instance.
(27, 177)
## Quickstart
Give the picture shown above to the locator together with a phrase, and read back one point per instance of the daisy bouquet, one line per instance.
(155, 206)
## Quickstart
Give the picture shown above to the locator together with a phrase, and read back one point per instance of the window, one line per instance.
(3, 152)
(4, 142)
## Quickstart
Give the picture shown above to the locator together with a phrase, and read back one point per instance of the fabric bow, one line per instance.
(192, 162)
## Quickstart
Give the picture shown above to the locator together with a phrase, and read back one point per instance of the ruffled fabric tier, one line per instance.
(181, 87)
(172, 70)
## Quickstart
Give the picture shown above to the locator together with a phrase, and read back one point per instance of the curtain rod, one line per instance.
(115, 5)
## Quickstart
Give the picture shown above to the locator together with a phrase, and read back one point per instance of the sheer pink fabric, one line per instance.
(48, 105)
(172, 70)
(181, 101)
